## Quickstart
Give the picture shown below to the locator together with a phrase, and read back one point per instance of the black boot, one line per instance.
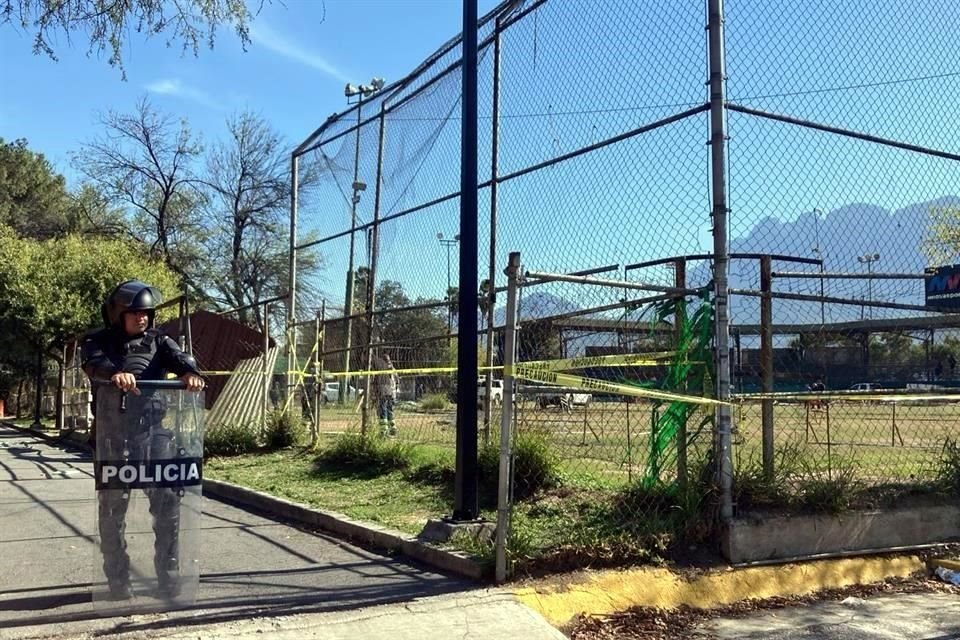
(169, 585)
(168, 578)
(120, 590)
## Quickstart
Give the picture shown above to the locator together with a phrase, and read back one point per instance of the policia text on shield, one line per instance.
(140, 440)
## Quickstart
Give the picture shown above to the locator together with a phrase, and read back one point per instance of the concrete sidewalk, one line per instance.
(474, 615)
(912, 616)
(255, 571)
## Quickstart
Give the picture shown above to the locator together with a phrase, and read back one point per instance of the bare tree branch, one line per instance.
(143, 161)
(108, 24)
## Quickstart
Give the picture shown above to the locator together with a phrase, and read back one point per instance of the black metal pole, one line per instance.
(465, 505)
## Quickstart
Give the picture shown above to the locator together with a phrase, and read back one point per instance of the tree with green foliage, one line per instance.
(35, 201)
(412, 327)
(52, 290)
(33, 197)
(108, 25)
(942, 241)
(484, 294)
(453, 304)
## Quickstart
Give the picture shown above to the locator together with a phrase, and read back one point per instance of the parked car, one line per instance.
(331, 392)
(565, 400)
(496, 392)
(865, 387)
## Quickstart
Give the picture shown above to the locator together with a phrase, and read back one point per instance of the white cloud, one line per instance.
(263, 35)
(175, 87)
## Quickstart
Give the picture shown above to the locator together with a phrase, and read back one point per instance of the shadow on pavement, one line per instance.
(257, 565)
(292, 598)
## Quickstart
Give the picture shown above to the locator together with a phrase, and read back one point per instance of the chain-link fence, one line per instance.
(612, 149)
(837, 156)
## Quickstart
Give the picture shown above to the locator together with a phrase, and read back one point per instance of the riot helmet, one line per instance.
(131, 295)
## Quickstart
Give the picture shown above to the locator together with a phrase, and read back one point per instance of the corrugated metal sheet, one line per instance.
(219, 344)
(241, 399)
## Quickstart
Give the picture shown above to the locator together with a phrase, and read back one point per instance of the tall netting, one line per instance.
(594, 122)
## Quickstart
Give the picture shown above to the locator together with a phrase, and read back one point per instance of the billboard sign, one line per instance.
(942, 287)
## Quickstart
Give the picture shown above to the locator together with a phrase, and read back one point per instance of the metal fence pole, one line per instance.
(317, 380)
(351, 276)
(371, 300)
(721, 259)
(188, 329)
(766, 362)
(506, 418)
(292, 294)
(321, 352)
(492, 277)
(264, 367)
(183, 326)
(680, 282)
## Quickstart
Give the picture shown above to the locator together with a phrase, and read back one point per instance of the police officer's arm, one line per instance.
(180, 363)
(95, 362)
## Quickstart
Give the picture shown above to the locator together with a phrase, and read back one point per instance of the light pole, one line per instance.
(448, 243)
(868, 259)
(363, 91)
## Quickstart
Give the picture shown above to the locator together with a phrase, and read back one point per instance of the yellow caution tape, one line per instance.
(853, 396)
(400, 372)
(564, 364)
(633, 359)
(590, 362)
(236, 373)
(593, 384)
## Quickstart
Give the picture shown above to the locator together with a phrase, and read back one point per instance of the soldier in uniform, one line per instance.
(128, 349)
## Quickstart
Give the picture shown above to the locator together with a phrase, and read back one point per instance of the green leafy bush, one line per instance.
(230, 440)
(363, 456)
(283, 429)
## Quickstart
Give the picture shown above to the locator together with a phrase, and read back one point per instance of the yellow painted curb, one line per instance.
(952, 565)
(612, 591)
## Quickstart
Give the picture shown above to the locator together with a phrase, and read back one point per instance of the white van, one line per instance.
(496, 392)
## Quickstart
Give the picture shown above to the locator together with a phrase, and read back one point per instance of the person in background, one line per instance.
(387, 387)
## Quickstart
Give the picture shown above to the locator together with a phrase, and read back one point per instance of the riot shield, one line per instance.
(148, 468)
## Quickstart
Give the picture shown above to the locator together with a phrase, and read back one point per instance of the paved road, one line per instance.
(252, 566)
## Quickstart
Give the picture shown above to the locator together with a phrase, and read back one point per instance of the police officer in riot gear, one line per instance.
(128, 349)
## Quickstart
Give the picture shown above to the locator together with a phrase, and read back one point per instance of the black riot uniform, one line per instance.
(148, 356)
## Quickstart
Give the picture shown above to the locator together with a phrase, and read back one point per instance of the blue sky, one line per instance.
(303, 52)
(575, 72)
